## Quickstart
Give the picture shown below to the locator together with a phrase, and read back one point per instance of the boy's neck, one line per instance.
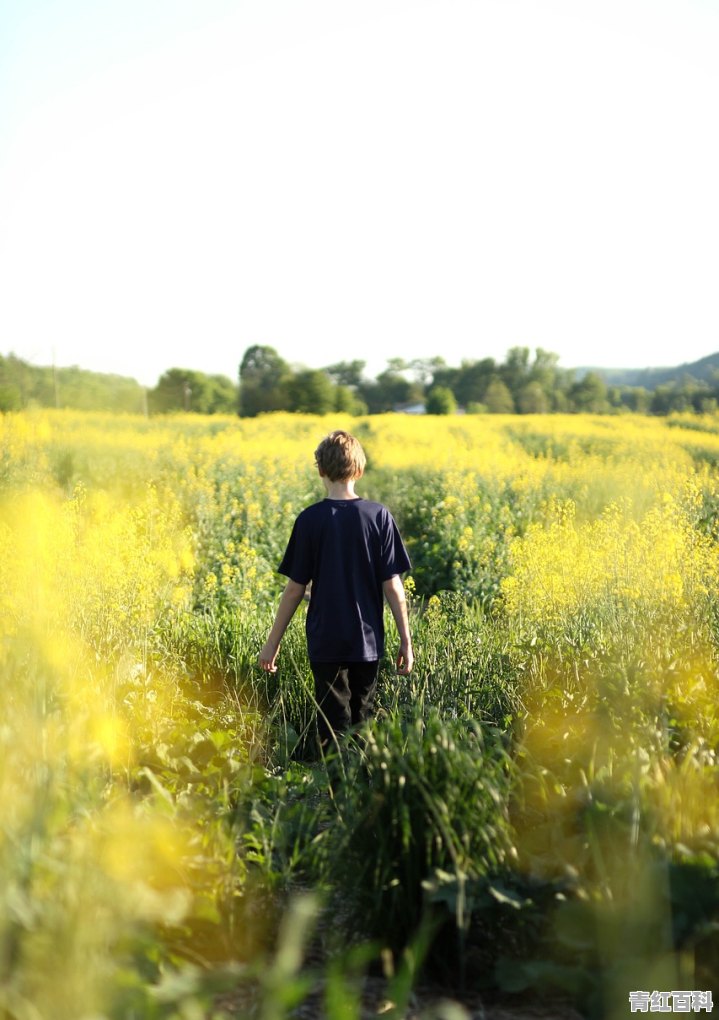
(340, 490)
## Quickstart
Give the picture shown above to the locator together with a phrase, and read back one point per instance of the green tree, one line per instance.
(545, 368)
(264, 376)
(663, 400)
(175, 391)
(311, 391)
(498, 398)
(445, 375)
(472, 380)
(636, 398)
(532, 399)
(10, 398)
(589, 394)
(424, 370)
(441, 400)
(224, 395)
(346, 373)
(347, 401)
(515, 370)
(390, 389)
(183, 389)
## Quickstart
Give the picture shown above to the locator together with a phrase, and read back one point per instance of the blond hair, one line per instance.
(340, 457)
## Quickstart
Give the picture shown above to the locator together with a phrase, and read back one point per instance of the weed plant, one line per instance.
(418, 795)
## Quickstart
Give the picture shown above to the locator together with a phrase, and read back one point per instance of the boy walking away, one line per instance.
(350, 550)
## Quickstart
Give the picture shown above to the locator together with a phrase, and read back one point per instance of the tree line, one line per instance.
(525, 382)
(24, 385)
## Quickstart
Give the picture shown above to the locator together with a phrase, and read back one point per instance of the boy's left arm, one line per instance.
(291, 598)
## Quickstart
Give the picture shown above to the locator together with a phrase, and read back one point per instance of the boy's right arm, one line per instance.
(291, 598)
(394, 593)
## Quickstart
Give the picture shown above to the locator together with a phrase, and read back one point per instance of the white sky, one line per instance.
(340, 179)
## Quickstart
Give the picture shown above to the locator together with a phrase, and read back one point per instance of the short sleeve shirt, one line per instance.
(346, 548)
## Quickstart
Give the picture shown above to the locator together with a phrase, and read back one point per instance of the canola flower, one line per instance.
(561, 568)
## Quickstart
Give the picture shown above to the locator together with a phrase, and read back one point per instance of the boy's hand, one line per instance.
(291, 598)
(405, 660)
(267, 656)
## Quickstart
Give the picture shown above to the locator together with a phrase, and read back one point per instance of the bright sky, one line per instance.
(348, 179)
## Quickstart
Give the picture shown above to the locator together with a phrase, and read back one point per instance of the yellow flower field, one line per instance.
(565, 594)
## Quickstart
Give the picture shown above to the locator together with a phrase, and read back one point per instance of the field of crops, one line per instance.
(534, 811)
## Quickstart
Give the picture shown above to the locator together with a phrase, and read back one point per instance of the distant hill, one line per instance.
(24, 385)
(705, 370)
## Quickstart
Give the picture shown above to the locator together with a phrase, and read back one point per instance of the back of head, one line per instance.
(340, 457)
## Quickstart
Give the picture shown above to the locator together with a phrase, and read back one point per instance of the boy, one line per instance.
(351, 552)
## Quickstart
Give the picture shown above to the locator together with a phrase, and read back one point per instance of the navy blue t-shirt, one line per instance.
(347, 548)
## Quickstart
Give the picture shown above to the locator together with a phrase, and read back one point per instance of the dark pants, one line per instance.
(345, 695)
